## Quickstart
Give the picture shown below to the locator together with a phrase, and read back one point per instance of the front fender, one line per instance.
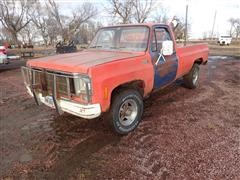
(107, 77)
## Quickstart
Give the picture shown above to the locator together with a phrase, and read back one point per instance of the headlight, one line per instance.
(83, 88)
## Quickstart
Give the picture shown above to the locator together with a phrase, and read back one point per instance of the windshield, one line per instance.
(121, 38)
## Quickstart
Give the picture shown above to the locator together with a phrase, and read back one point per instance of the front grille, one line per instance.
(61, 83)
(43, 81)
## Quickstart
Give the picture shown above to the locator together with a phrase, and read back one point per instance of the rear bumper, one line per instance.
(89, 111)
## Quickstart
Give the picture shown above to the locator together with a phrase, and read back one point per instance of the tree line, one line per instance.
(26, 20)
(234, 27)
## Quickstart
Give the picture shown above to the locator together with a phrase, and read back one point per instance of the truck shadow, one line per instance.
(166, 95)
(90, 136)
(77, 140)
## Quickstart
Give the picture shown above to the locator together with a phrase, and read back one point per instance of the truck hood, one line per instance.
(80, 62)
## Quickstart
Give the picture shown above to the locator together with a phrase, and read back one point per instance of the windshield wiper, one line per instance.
(122, 47)
(95, 47)
(114, 47)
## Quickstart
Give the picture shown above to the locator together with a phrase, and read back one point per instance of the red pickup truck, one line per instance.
(122, 66)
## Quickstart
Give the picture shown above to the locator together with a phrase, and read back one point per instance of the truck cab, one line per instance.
(122, 66)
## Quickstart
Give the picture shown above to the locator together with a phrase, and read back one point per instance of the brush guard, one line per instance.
(29, 76)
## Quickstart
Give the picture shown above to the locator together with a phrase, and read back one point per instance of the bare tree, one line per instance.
(40, 20)
(29, 34)
(54, 11)
(52, 30)
(232, 22)
(1, 34)
(68, 25)
(142, 9)
(161, 16)
(128, 11)
(87, 32)
(179, 32)
(14, 16)
(123, 9)
(235, 27)
(80, 15)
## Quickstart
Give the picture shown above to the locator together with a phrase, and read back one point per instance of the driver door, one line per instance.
(165, 67)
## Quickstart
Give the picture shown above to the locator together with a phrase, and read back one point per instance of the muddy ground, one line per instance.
(184, 134)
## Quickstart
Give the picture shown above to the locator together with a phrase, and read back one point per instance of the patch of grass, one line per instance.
(232, 50)
(217, 50)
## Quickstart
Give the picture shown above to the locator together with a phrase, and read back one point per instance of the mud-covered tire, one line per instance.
(126, 111)
(191, 79)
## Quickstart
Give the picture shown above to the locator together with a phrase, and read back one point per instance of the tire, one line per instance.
(191, 79)
(6, 61)
(126, 111)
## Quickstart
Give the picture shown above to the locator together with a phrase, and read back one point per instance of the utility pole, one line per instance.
(186, 26)
(214, 20)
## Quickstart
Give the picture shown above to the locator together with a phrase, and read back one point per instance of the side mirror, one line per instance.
(167, 48)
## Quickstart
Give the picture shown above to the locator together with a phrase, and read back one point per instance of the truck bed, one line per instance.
(189, 54)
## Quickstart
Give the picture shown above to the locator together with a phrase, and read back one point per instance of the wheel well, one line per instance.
(198, 61)
(137, 85)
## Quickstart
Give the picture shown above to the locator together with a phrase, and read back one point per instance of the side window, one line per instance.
(160, 35)
(154, 43)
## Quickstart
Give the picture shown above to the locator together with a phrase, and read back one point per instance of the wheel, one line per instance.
(126, 111)
(6, 61)
(191, 79)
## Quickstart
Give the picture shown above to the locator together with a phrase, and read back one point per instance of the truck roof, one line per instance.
(140, 24)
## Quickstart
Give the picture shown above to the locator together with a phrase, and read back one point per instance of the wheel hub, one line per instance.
(128, 112)
(195, 76)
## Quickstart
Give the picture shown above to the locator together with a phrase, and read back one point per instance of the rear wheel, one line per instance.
(126, 111)
(191, 79)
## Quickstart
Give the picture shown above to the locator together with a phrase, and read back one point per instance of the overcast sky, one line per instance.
(201, 13)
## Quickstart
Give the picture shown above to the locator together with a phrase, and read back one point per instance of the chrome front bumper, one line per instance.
(89, 111)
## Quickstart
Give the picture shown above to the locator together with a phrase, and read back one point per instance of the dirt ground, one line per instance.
(184, 134)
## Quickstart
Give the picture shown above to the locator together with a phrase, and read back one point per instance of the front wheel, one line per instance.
(126, 111)
(191, 79)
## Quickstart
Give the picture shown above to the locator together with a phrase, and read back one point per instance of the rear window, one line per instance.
(125, 38)
(134, 35)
